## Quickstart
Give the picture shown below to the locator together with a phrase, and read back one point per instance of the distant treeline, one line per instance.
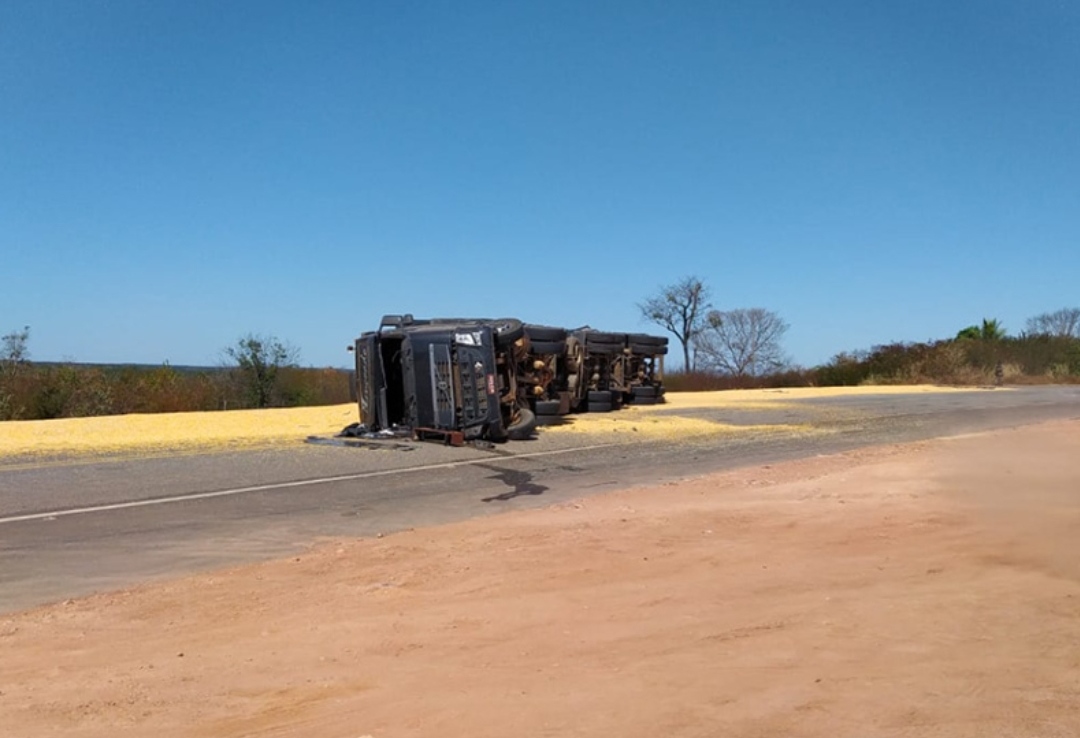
(263, 377)
(33, 391)
(1027, 359)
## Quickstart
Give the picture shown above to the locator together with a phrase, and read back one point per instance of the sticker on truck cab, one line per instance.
(491, 384)
(473, 338)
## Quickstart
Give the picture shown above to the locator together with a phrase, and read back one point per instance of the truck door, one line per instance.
(370, 384)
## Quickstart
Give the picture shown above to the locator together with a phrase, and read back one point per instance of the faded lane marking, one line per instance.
(283, 485)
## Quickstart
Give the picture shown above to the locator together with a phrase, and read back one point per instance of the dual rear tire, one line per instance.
(547, 412)
(600, 401)
(645, 395)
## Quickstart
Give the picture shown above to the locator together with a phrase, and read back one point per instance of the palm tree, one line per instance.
(990, 330)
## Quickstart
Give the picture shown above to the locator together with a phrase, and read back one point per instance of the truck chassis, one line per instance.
(466, 379)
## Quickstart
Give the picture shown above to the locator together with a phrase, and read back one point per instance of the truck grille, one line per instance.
(442, 385)
(474, 400)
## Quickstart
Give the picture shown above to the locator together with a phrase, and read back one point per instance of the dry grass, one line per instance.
(176, 433)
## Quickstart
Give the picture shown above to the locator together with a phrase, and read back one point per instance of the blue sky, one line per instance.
(174, 175)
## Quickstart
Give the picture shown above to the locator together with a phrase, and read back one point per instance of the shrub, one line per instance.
(45, 391)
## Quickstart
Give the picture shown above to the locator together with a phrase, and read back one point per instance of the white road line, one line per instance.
(289, 485)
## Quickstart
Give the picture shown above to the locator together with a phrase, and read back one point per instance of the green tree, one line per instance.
(679, 308)
(258, 361)
(990, 330)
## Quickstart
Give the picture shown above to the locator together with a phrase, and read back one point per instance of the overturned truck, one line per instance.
(464, 379)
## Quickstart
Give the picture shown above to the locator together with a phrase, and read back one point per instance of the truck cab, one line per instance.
(452, 379)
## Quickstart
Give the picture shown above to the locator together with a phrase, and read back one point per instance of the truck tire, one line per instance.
(599, 407)
(646, 340)
(597, 342)
(644, 395)
(507, 330)
(604, 337)
(523, 429)
(547, 348)
(547, 407)
(545, 333)
(641, 343)
(548, 412)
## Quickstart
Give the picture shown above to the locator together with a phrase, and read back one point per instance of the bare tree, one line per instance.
(679, 308)
(13, 355)
(1064, 323)
(14, 349)
(743, 342)
(258, 360)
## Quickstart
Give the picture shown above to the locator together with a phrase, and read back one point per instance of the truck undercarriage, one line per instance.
(462, 379)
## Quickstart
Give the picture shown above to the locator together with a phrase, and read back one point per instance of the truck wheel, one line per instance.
(599, 407)
(646, 340)
(599, 396)
(547, 407)
(604, 337)
(524, 427)
(604, 343)
(546, 347)
(507, 330)
(545, 333)
(644, 395)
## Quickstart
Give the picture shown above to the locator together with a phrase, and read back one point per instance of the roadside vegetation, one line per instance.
(742, 348)
(732, 348)
(1025, 359)
(255, 372)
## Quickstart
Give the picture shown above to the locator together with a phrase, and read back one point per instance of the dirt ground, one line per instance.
(923, 590)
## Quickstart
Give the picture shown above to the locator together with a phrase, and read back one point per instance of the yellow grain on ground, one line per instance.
(171, 432)
(176, 433)
(665, 421)
(635, 423)
(772, 397)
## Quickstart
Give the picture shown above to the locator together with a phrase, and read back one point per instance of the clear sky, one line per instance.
(175, 174)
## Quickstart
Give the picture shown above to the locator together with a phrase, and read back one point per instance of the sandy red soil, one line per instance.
(924, 590)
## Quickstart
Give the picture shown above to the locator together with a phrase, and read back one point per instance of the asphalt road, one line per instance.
(70, 528)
